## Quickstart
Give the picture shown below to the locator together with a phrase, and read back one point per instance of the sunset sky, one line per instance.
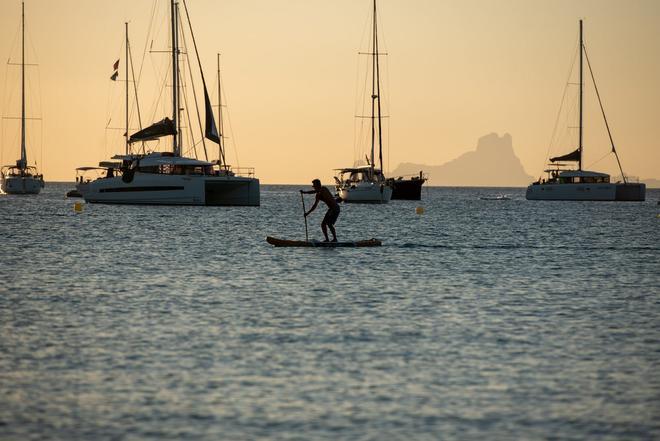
(455, 71)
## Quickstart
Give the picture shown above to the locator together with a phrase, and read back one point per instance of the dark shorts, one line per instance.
(331, 216)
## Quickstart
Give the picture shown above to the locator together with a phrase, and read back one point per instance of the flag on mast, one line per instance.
(115, 72)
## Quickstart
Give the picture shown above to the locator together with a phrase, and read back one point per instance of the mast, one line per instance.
(580, 99)
(374, 58)
(175, 74)
(126, 63)
(380, 131)
(23, 152)
(221, 148)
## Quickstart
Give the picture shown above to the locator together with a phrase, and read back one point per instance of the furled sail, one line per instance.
(163, 127)
(211, 131)
(573, 156)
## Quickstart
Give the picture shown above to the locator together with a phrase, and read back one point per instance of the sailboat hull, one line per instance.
(366, 193)
(22, 185)
(161, 189)
(586, 192)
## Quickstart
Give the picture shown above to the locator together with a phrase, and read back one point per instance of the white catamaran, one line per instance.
(367, 184)
(169, 178)
(569, 184)
(21, 178)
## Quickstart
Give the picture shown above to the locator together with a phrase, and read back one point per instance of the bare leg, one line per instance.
(325, 231)
(334, 233)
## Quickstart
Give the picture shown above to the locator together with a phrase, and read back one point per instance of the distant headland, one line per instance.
(492, 164)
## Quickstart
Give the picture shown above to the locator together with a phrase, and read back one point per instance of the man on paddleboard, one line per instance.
(323, 194)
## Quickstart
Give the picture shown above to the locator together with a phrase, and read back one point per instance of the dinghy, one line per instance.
(315, 243)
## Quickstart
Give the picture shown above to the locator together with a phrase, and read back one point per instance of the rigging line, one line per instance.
(356, 104)
(231, 131)
(609, 133)
(192, 82)
(155, 112)
(191, 139)
(41, 114)
(597, 161)
(146, 43)
(201, 72)
(221, 128)
(137, 103)
(561, 105)
(137, 99)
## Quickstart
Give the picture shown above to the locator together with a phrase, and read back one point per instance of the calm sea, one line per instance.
(478, 319)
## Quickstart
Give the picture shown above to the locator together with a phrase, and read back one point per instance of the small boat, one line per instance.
(500, 197)
(565, 183)
(407, 188)
(367, 184)
(21, 178)
(319, 244)
(73, 194)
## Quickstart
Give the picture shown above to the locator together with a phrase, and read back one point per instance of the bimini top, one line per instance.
(582, 173)
(162, 158)
(90, 168)
(362, 168)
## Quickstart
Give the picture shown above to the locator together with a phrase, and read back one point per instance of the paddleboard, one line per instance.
(315, 243)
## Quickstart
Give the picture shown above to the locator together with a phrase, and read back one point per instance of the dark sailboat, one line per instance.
(408, 188)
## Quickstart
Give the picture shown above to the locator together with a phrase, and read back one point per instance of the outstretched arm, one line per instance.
(307, 191)
(316, 202)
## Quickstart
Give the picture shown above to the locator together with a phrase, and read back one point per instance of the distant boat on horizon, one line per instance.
(168, 177)
(367, 184)
(21, 178)
(569, 184)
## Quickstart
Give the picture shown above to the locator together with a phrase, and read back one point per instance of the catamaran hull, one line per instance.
(586, 192)
(366, 194)
(154, 189)
(21, 185)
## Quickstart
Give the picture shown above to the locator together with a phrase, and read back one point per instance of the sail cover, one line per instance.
(573, 156)
(163, 127)
(211, 131)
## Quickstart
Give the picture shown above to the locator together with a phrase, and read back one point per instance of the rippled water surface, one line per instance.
(478, 319)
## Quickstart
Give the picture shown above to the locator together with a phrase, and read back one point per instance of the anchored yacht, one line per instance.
(567, 184)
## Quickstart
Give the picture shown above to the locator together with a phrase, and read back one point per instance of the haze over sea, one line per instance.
(479, 319)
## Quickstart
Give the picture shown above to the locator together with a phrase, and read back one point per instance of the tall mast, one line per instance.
(373, 88)
(175, 75)
(23, 152)
(380, 131)
(221, 147)
(126, 63)
(581, 93)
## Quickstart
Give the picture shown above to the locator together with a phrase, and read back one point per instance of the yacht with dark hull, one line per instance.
(407, 188)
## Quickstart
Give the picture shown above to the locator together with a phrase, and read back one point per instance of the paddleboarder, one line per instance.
(323, 194)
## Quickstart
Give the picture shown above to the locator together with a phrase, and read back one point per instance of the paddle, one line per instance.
(302, 198)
